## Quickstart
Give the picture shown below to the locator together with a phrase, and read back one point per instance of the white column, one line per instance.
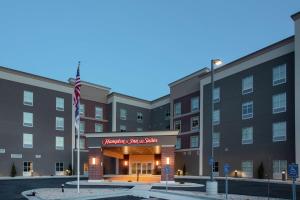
(297, 87)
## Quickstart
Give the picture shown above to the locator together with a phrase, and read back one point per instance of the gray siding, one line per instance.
(131, 122)
(43, 130)
(263, 148)
(159, 120)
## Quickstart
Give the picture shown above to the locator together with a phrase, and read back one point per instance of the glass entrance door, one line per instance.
(27, 168)
(141, 168)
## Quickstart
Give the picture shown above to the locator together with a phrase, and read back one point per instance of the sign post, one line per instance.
(167, 171)
(293, 173)
(226, 171)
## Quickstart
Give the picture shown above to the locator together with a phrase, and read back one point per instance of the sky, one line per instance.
(136, 47)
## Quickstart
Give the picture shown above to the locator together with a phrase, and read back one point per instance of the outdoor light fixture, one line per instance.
(235, 173)
(168, 160)
(125, 163)
(157, 163)
(217, 62)
(93, 161)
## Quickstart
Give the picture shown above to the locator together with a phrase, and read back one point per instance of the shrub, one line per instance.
(13, 171)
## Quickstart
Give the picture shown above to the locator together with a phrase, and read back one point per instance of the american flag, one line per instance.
(77, 98)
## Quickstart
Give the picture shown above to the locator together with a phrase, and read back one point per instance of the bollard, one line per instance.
(62, 188)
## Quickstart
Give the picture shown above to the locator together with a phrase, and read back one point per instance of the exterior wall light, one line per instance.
(93, 161)
(235, 173)
(157, 163)
(168, 160)
(125, 163)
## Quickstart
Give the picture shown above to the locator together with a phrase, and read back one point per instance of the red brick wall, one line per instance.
(167, 152)
(90, 112)
(95, 171)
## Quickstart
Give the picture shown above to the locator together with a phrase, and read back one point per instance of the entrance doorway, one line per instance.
(144, 168)
(27, 168)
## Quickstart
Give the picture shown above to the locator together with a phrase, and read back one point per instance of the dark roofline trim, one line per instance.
(296, 16)
(34, 76)
(199, 73)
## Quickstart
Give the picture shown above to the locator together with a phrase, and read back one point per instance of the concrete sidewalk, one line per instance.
(238, 179)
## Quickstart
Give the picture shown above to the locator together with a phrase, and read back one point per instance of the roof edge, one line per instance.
(192, 75)
(296, 16)
(72, 81)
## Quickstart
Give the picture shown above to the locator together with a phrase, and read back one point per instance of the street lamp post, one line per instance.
(212, 186)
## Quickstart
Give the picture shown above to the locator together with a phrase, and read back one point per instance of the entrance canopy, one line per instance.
(133, 153)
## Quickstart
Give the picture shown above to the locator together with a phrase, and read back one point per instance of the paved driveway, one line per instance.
(249, 188)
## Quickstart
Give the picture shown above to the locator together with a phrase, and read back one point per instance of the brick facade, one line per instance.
(95, 170)
(167, 152)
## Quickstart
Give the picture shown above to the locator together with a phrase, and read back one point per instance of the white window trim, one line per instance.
(197, 145)
(99, 117)
(282, 109)
(27, 146)
(282, 80)
(125, 114)
(245, 142)
(27, 103)
(285, 136)
(196, 127)
(197, 108)
(248, 115)
(101, 125)
(27, 124)
(124, 128)
(251, 167)
(216, 144)
(59, 128)
(83, 109)
(178, 146)
(179, 113)
(80, 126)
(247, 90)
(58, 108)
(60, 148)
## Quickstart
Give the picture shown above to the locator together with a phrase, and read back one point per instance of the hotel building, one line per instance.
(256, 121)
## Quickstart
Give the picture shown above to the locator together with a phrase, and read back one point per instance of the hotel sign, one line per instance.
(129, 141)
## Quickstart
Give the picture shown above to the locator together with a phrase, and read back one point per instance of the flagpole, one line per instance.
(78, 147)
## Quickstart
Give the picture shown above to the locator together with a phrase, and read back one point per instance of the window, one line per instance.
(216, 117)
(279, 103)
(123, 114)
(27, 119)
(194, 104)
(59, 167)
(247, 135)
(28, 98)
(247, 85)
(177, 109)
(247, 169)
(216, 139)
(82, 109)
(99, 113)
(178, 143)
(216, 95)
(167, 115)
(177, 125)
(247, 110)
(139, 116)
(60, 104)
(279, 74)
(81, 143)
(194, 123)
(278, 167)
(122, 128)
(279, 131)
(98, 128)
(27, 140)
(216, 168)
(59, 124)
(194, 141)
(27, 168)
(139, 129)
(59, 143)
(82, 127)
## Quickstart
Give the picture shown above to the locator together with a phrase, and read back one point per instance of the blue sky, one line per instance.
(136, 47)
